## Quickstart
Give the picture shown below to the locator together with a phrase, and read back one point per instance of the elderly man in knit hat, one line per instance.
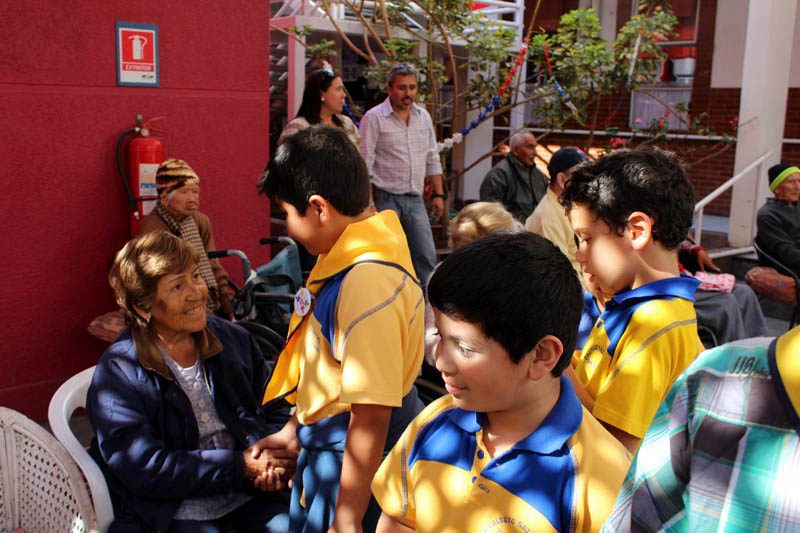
(177, 212)
(778, 220)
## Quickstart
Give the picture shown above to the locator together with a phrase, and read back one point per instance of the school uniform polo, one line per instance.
(361, 339)
(440, 477)
(356, 337)
(637, 348)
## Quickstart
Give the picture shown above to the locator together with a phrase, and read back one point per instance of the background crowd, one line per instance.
(566, 326)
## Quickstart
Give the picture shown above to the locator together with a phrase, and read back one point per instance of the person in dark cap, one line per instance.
(549, 219)
(177, 212)
(778, 220)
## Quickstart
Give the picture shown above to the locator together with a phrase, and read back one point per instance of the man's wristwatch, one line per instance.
(439, 195)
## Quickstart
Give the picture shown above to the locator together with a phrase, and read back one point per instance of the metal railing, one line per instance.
(701, 205)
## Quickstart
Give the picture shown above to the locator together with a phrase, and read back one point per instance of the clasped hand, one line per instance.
(270, 463)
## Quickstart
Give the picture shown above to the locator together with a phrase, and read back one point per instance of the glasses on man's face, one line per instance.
(792, 181)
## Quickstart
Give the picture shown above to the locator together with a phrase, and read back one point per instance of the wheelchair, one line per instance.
(263, 304)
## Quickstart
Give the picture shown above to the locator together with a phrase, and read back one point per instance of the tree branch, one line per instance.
(289, 34)
(385, 16)
(345, 38)
(594, 124)
(367, 25)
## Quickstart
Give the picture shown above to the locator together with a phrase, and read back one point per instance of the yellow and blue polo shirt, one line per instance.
(564, 476)
(362, 341)
(637, 348)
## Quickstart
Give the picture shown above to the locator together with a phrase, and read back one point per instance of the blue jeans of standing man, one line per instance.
(410, 208)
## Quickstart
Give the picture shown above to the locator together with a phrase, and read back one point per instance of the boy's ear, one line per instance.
(320, 207)
(544, 357)
(640, 229)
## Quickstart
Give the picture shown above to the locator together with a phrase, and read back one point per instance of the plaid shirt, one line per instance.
(723, 452)
(399, 155)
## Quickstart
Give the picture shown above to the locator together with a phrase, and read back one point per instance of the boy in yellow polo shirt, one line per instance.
(355, 341)
(510, 449)
(630, 210)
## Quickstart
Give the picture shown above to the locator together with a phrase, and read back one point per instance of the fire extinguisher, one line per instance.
(144, 155)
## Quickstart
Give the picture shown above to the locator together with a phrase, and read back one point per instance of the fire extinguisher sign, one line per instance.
(137, 54)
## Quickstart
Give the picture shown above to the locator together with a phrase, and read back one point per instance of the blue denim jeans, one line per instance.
(414, 218)
(261, 514)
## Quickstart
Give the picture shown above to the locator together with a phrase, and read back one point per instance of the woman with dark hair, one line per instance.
(323, 99)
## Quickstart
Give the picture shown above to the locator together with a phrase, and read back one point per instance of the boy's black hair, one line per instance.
(517, 287)
(651, 181)
(318, 160)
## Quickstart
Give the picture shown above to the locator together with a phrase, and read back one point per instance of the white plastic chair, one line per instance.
(41, 488)
(69, 397)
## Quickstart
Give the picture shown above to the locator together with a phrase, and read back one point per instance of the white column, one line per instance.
(607, 10)
(297, 76)
(476, 144)
(762, 109)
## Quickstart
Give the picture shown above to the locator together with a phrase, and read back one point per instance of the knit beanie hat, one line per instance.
(563, 160)
(173, 174)
(778, 173)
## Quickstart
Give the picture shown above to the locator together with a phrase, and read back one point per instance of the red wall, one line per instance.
(62, 205)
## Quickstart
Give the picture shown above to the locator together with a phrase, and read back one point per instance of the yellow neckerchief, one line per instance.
(379, 238)
(786, 372)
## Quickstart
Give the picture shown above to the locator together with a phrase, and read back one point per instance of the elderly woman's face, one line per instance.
(184, 201)
(180, 302)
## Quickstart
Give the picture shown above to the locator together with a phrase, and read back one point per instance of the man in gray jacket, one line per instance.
(515, 181)
(778, 220)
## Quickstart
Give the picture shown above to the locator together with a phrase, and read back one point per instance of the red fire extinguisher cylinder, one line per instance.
(145, 154)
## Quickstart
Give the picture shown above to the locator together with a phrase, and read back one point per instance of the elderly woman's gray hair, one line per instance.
(401, 69)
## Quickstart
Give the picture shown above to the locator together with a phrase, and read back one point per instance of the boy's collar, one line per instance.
(378, 237)
(555, 430)
(682, 286)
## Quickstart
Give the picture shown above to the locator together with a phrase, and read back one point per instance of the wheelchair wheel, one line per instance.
(270, 342)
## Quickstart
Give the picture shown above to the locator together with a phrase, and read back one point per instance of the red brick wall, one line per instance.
(721, 104)
(792, 128)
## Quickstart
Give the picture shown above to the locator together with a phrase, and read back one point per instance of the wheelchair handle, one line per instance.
(247, 269)
(277, 240)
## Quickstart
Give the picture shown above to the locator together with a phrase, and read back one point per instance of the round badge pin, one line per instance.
(302, 302)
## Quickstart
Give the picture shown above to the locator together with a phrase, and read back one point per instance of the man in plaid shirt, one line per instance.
(398, 144)
(723, 452)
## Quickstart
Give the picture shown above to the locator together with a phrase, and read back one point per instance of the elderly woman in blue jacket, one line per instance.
(175, 404)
